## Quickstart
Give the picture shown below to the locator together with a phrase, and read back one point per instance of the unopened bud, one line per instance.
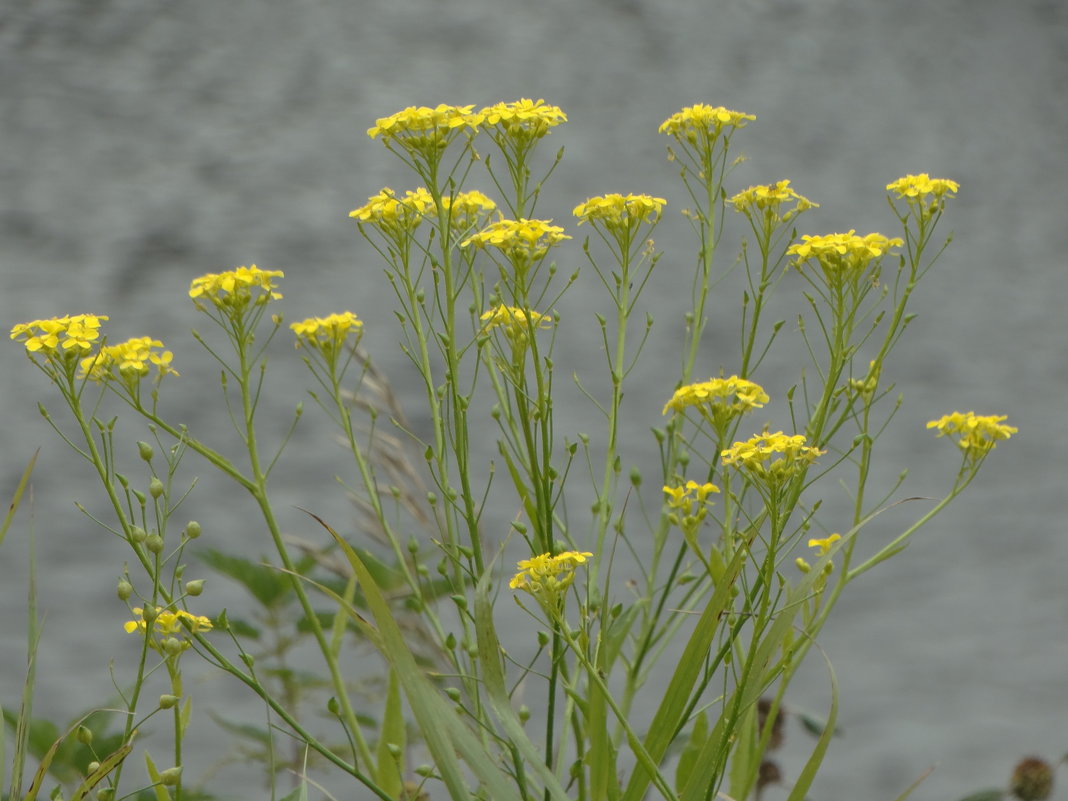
(154, 542)
(124, 589)
(192, 530)
(170, 777)
(144, 450)
(105, 794)
(138, 534)
(524, 713)
(173, 646)
(92, 768)
(194, 587)
(83, 735)
(1032, 780)
(167, 701)
(155, 487)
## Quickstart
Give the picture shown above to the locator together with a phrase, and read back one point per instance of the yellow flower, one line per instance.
(547, 576)
(515, 322)
(234, 289)
(523, 120)
(718, 399)
(130, 360)
(771, 458)
(422, 121)
(915, 188)
(617, 211)
(69, 334)
(327, 334)
(824, 544)
(167, 622)
(689, 504)
(704, 121)
(467, 209)
(523, 240)
(768, 198)
(976, 435)
(392, 214)
(842, 256)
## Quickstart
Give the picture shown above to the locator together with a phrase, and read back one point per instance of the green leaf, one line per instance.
(688, 757)
(17, 497)
(153, 774)
(267, 585)
(390, 767)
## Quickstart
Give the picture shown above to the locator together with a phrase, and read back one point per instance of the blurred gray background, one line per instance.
(145, 143)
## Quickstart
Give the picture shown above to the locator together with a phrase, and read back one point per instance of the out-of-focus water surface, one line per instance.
(144, 144)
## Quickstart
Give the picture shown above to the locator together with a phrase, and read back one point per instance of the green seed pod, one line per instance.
(105, 794)
(155, 487)
(92, 767)
(194, 587)
(167, 701)
(145, 450)
(173, 646)
(138, 534)
(154, 542)
(192, 530)
(83, 735)
(170, 776)
(124, 590)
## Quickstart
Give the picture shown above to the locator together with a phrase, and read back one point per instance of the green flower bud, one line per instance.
(453, 693)
(154, 542)
(194, 587)
(173, 646)
(155, 487)
(145, 450)
(105, 794)
(138, 534)
(167, 701)
(332, 706)
(426, 771)
(124, 590)
(524, 713)
(83, 735)
(170, 776)
(92, 767)
(192, 530)
(394, 749)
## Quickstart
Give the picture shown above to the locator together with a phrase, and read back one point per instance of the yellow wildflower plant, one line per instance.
(235, 289)
(842, 257)
(467, 210)
(718, 399)
(689, 504)
(130, 361)
(620, 212)
(327, 334)
(395, 216)
(70, 334)
(916, 188)
(522, 240)
(424, 131)
(168, 622)
(771, 459)
(516, 323)
(547, 577)
(703, 122)
(522, 120)
(976, 435)
(766, 201)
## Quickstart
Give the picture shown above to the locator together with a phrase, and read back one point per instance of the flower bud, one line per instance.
(105, 794)
(332, 706)
(144, 450)
(83, 735)
(173, 646)
(194, 587)
(170, 776)
(167, 701)
(524, 713)
(92, 768)
(154, 542)
(453, 693)
(1032, 780)
(124, 590)
(192, 530)
(155, 487)
(138, 534)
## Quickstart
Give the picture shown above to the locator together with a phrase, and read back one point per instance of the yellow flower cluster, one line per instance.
(234, 289)
(523, 240)
(131, 359)
(703, 120)
(823, 544)
(915, 188)
(515, 322)
(620, 211)
(395, 214)
(976, 435)
(522, 120)
(327, 334)
(842, 256)
(689, 504)
(422, 121)
(73, 333)
(718, 399)
(167, 622)
(768, 198)
(771, 458)
(467, 209)
(547, 576)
